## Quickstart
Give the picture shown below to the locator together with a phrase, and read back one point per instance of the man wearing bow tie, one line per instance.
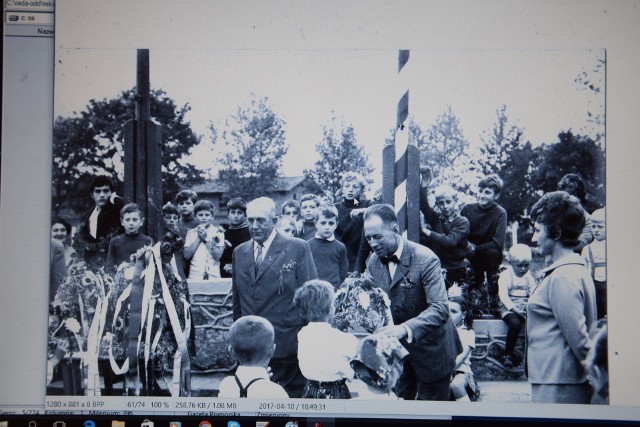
(412, 277)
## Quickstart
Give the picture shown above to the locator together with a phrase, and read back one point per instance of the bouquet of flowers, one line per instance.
(360, 307)
(165, 314)
(74, 307)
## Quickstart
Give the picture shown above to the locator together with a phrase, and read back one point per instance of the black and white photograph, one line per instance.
(369, 224)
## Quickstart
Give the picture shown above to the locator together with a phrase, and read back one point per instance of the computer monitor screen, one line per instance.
(182, 147)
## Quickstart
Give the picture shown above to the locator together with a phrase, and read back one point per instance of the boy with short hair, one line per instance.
(186, 200)
(98, 224)
(595, 256)
(251, 343)
(121, 247)
(350, 221)
(329, 254)
(235, 233)
(309, 204)
(448, 232)
(170, 217)
(204, 244)
(291, 208)
(487, 232)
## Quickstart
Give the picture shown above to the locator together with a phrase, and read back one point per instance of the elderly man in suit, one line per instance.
(266, 271)
(412, 276)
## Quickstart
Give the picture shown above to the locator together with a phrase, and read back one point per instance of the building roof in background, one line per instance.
(282, 184)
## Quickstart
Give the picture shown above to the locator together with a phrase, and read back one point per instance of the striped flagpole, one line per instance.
(401, 164)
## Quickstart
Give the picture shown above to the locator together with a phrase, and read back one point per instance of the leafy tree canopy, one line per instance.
(339, 153)
(254, 148)
(91, 143)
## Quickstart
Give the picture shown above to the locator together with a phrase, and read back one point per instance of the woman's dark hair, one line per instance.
(562, 215)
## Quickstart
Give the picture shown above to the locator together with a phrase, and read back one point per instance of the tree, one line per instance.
(572, 154)
(444, 149)
(251, 159)
(91, 143)
(505, 153)
(592, 82)
(339, 153)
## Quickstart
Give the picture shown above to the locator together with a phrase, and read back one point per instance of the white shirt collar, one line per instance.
(266, 244)
(330, 239)
(398, 251)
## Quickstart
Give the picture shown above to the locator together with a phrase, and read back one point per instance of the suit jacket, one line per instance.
(269, 293)
(419, 301)
(58, 270)
(94, 250)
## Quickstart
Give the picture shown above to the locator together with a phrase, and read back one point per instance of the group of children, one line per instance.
(466, 240)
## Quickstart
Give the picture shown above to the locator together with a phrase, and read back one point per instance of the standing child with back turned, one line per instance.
(324, 353)
(251, 343)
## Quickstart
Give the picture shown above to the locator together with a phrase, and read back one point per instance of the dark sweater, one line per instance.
(448, 238)
(330, 258)
(235, 236)
(488, 227)
(185, 224)
(308, 231)
(350, 231)
(122, 247)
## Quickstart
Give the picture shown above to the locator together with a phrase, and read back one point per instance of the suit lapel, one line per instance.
(271, 255)
(402, 270)
(248, 255)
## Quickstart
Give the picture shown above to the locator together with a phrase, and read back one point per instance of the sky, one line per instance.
(306, 87)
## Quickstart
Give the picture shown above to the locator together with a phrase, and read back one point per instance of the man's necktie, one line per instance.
(258, 256)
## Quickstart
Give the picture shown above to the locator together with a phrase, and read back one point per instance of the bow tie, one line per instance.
(387, 259)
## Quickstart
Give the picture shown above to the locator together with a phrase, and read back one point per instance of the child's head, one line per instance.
(186, 200)
(291, 208)
(286, 225)
(60, 230)
(251, 341)
(237, 210)
(489, 189)
(353, 185)
(314, 300)
(459, 311)
(131, 218)
(170, 215)
(308, 206)
(598, 225)
(326, 220)
(446, 200)
(573, 184)
(520, 259)
(204, 211)
(101, 188)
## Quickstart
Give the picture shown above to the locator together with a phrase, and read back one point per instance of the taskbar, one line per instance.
(62, 420)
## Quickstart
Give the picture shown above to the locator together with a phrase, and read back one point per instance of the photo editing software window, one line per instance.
(295, 213)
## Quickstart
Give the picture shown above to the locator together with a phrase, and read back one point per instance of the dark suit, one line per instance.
(58, 270)
(94, 250)
(419, 301)
(269, 293)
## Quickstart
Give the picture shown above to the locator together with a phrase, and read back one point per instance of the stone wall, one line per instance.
(212, 314)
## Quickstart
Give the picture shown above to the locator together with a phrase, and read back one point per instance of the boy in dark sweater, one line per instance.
(309, 204)
(447, 231)
(329, 254)
(186, 201)
(121, 247)
(488, 228)
(350, 222)
(236, 233)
